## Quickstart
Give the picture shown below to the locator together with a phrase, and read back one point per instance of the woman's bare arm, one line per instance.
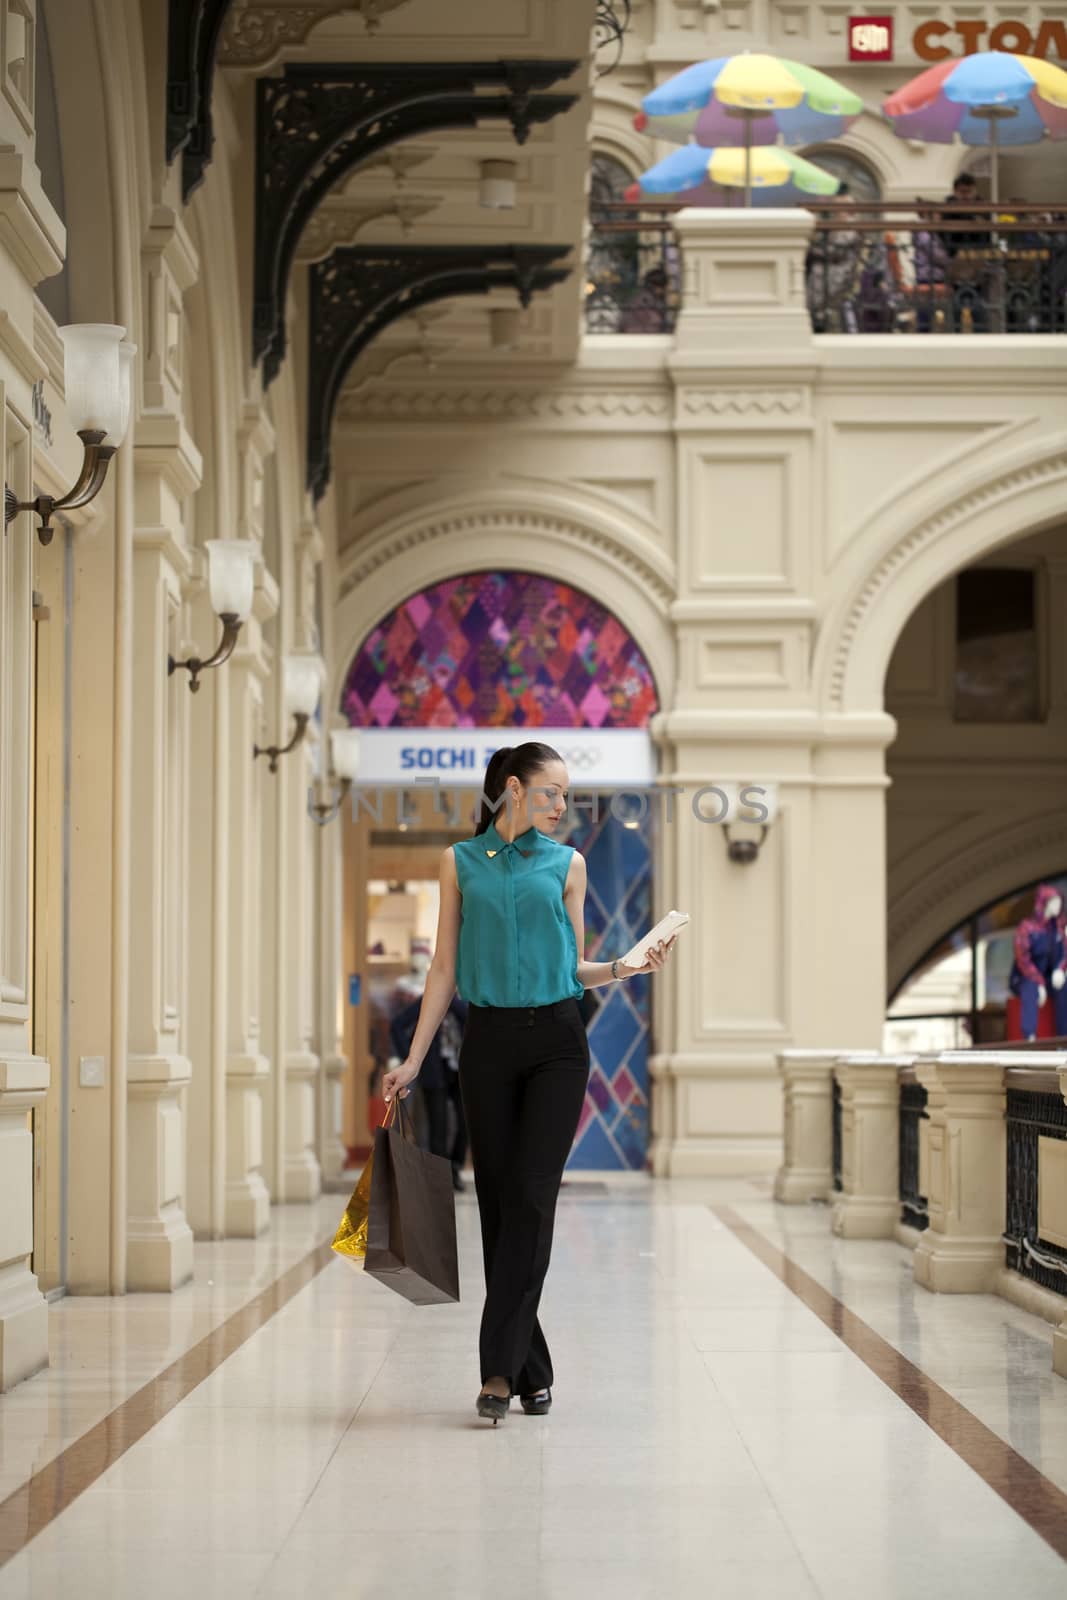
(594, 974)
(440, 982)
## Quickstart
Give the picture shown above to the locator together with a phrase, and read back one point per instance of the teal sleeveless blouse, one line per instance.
(516, 941)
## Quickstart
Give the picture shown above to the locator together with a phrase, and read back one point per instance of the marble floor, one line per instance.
(711, 1434)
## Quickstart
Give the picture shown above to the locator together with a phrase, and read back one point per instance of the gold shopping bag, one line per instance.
(350, 1240)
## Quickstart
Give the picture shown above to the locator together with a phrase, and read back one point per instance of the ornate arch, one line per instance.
(917, 545)
(984, 870)
(579, 537)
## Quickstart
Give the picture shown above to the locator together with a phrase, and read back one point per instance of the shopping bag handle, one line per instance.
(396, 1112)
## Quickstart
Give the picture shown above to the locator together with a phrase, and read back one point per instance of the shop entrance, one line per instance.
(456, 671)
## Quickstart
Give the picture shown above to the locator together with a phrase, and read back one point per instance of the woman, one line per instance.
(509, 933)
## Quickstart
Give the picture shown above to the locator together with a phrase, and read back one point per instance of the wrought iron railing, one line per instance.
(907, 269)
(913, 1208)
(871, 268)
(1031, 1116)
(835, 1136)
(633, 275)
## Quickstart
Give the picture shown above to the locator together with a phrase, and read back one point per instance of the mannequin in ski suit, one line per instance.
(1040, 966)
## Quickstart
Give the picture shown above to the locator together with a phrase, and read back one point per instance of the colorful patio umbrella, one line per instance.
(776, 101)
(699, 177)
(794, 102)
(993, 99)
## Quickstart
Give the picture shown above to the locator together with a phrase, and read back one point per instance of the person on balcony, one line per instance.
(933, 293)
(834, 267)
(1040, 966)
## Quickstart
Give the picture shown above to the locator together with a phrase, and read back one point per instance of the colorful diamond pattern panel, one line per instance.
(499, 649)
(613, 1130)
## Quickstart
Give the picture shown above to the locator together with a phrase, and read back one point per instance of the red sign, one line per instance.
(870, 38)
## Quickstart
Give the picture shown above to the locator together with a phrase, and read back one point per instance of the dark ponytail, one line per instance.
(522, 761)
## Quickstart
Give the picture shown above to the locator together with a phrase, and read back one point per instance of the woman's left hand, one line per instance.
(657, 957)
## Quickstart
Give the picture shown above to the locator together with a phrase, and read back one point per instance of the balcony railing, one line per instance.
(906, 269)
(633, 273)
(875, 268)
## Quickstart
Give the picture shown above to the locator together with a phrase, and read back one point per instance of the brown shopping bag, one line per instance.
(350, 1240)
(411, 1229)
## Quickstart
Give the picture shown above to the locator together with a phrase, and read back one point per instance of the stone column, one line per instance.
(807, 1086)
(23, 1308)
(330, 1149)
(247, 1068)
(962, 1250)
(208, 944)
(766, 967)
(167, 469)
(1059, 1337)
(869, 1202)
(303, 1175)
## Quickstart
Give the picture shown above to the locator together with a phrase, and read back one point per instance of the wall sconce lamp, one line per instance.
(496, 185)
(231, 572)
(301, 689)
(752, 805)
(97, 360)
(344, 763)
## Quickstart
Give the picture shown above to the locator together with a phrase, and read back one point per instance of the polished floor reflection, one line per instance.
(711, 1435)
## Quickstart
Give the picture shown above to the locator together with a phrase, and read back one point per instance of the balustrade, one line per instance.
(961, 1155)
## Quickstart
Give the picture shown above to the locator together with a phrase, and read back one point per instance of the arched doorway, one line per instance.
(447, 675)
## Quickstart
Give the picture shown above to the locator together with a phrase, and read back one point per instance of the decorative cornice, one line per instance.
(1050, 469)
(515, 525)
(742, 402)
(432, 405)
(254, 35)
(340, 225)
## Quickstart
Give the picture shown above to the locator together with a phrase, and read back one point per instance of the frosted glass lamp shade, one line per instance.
(496, 188)
(344, 753)
(97, 365)
(303, 684)
(231, 576)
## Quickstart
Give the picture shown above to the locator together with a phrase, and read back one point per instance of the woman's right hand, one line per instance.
(397, 1080)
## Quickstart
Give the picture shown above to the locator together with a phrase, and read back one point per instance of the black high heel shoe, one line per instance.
(538, 1404)
(493, 1407)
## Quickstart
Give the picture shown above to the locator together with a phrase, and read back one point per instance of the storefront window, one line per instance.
(958, 995)
(997, 665)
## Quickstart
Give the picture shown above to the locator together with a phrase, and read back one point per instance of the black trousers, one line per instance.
(523, 1073)
(437, 1101)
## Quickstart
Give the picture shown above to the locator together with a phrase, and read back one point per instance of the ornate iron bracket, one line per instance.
(358, 290)
(316, 124)
(193, 31)
(613, 17)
